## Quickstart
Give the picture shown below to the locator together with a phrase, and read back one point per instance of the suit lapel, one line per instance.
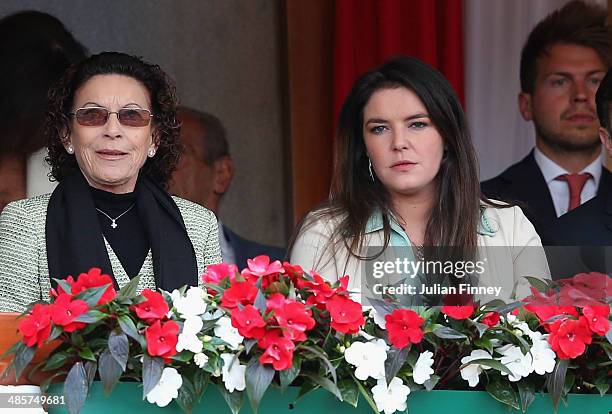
(529, 186)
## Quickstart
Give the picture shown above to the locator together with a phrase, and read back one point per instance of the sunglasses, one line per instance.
(98, 116)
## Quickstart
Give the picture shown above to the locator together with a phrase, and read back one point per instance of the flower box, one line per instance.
(127, 398)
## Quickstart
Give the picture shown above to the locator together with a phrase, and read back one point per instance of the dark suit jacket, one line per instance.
(523, 184)
(247, 249)
(579, 239)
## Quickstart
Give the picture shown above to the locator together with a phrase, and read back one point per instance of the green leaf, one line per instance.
(23, 357)
(13, 349)
(287, 376)
(394, 362)
(484, 343)
(493, 363)
(56, 361)
(481, 327)
(526, 394)
(151, 373)
(609, 336)
(55, 333)
(200, 381)
(186, 396)
(258, 379)
(119, 347)
(128, 327)
(556, 381)
(248, 345)
(91, 316)
(92, 295)
(431, 382)
(306, 388)
(76, 388)
(110, 371)
(260, 302)
(503, 392)
(325, 383)
(64, 285)
(233, 399)
(445, 332)
(90, 371)
(323, 357)
(349, 391)
(539, 284)
(366, 395)
(507, 308)
(86, 353)
(130, 290)
(602, 382)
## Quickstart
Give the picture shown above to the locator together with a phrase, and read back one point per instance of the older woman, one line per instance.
(407, 178)
(113, 143)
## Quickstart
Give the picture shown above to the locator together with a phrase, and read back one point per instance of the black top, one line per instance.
(129, 240)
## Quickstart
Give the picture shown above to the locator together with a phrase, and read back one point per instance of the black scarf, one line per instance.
(75, 243)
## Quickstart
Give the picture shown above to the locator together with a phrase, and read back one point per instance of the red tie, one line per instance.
(576, 183)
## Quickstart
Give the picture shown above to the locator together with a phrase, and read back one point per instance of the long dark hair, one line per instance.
(163, 104)
(354, 196)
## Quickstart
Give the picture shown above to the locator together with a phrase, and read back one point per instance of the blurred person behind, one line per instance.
(35, 50)
(204, 175)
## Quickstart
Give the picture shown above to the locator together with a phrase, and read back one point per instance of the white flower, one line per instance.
(378, 319)
(368, 357)
(520, 365)
(191, 304)
(189, 342)
(543, 357)
(166, 389)
(471, 372)
(233, 373)
(392, 398)
(227, 333)
(422, 369)
(193, 325)
(200, 359)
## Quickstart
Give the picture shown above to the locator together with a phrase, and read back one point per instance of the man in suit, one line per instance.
(562, 63)
(205, 173)
(591, 223)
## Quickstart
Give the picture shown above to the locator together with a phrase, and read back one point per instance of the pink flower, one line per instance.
(260, 266)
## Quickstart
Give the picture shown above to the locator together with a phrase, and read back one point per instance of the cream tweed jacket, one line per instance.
(24, 271)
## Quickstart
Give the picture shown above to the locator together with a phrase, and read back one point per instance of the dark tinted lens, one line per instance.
(91, 116)
(134, 117)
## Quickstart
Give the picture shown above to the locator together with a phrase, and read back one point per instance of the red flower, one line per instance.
(152, 309)
(294, 319)
(404, 327)
(346, 314)
(162, 339)
(54, 293)
(249, 322)
(458, 312)
(276, 301)
(321, 291)
(239, 292)
(588, 287)
(95, 278)
(215, 273)
(545, 312)
(296, 274)
(569, 337)
(597, 317)
(278, 350)
(491, 319)
(36, 327)
(64, 311)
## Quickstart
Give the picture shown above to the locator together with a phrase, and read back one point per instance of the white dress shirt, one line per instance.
(559, 190)
(227, 251)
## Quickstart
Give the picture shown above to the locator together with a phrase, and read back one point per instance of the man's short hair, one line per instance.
(214, 142)
(603, 100)
(577, 23)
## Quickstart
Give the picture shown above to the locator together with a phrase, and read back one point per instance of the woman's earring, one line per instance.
(70, 149)
(151, 152)
(370, 169)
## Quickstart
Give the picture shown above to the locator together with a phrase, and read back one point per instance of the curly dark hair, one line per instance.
(163, 105)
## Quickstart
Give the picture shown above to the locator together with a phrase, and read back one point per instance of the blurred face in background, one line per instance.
(111, 155)
(562, 105)
(193, 179)
(404, 146)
